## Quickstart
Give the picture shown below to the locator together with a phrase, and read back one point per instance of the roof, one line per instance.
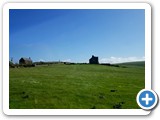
(26, 59)
(94, 56)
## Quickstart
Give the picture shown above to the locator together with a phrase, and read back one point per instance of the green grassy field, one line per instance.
(76, 86)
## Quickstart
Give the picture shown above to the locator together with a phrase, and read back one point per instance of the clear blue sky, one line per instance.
(76, 35)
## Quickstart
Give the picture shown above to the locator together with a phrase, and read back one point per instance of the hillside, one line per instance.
(138, 63)
(83, 86)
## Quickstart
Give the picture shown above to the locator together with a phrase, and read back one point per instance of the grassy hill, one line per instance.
(76, 86)
(134, 64)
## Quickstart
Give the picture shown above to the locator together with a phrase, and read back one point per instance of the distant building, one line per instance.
(93, 60)
(25, 61)
(11, 64)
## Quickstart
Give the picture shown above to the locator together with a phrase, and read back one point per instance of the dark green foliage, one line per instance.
(113, 90)
(94, 107)
(11, 64)
(118, 105)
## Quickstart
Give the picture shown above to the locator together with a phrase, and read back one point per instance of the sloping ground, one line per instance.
(75, 86)
(138, 63)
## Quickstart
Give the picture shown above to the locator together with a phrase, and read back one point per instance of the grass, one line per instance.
(87, 86)
(140, 63)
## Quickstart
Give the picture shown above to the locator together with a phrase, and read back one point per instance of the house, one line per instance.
(11, 64)
(25, 61)
(93, 60)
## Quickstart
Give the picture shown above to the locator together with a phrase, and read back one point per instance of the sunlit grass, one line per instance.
(75, 87)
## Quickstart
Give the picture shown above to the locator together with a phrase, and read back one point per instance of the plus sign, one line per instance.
(147, 99)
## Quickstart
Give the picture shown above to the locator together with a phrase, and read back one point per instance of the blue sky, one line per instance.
(76, 35)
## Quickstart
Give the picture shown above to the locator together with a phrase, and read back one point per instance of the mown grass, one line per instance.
(75, 87)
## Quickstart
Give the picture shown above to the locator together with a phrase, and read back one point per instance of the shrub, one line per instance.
(11, 64)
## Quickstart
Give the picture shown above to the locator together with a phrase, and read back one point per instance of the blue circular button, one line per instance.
(147, 99)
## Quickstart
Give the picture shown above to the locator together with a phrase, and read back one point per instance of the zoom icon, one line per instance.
(147, 99)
